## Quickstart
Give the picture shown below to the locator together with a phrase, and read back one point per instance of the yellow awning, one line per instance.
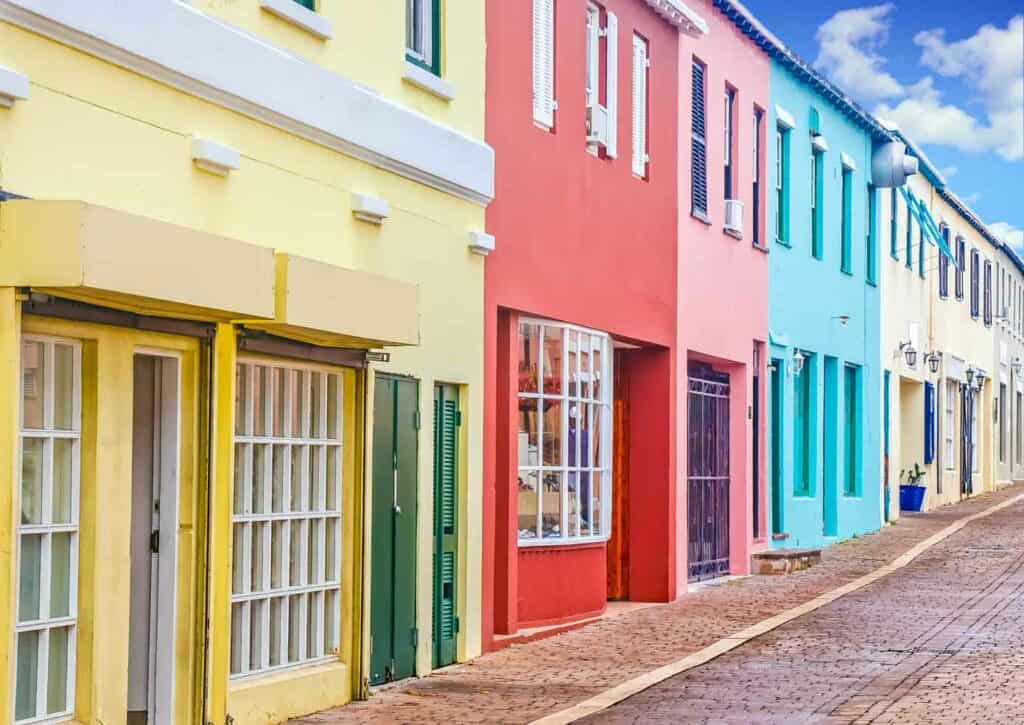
(108, 257)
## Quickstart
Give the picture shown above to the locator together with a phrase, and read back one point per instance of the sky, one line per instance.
(950, 74)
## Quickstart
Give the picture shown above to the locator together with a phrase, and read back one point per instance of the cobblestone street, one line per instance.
(941, 640)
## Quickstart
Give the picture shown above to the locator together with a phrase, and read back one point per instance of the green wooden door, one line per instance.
(445, 619)
(393, 536)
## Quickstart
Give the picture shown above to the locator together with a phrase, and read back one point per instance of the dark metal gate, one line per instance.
(966, 440)
(708, 473)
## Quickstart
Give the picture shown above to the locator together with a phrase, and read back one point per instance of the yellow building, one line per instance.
(938, 343)
(228, 233)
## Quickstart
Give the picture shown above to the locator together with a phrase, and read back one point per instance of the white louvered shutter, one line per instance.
(639, 106)
(544, 62)
(611, 146)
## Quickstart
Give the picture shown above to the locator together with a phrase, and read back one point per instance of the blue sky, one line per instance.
(951, 74)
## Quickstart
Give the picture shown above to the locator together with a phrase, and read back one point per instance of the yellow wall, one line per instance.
(94, 132)
(10, 412)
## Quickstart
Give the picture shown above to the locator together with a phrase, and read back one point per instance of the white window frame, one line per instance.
(44, 624)
(602, 405)
(641, 91)
(544, 104)
(315, 599)
(420, 19)
(949, 425)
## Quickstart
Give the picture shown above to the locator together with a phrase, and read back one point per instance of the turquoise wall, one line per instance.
(807, 297)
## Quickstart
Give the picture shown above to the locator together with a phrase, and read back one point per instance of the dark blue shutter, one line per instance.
(699, 155)
(929, 423)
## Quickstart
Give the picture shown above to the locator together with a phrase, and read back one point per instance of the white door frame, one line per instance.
(164, 569)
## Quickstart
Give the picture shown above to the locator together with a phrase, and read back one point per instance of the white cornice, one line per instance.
(180, 46)
(678, 14)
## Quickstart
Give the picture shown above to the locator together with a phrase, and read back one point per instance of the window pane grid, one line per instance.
(565, 408)
(47, 542)
(287, 518)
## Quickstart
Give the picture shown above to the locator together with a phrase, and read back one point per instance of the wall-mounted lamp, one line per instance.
(934, 359)
(798, 362)
(970, 377)
(907, 348)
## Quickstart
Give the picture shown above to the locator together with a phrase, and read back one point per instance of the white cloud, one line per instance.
(1009, 234)
(989, 63)
(972, 198)
(848, 52)
(950, 171)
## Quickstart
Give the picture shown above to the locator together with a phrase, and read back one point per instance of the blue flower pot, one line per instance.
(912, 497)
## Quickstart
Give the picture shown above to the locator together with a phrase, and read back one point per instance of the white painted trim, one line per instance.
(180, 46)
(481, 243)
(784, 118)
(369, 208)
(424, 79)
(291, 12)
(13, 87)
(214, 157)
(676, 13)
(819, 143)
(847, 161)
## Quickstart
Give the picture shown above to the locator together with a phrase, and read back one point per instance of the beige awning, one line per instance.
(113, 258)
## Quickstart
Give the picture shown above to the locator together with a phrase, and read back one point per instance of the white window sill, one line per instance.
(422, 78)
(291, 12)
(568, 541)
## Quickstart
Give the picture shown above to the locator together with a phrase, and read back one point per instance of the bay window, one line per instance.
(47, 541)
(564, 434)
(286, 567)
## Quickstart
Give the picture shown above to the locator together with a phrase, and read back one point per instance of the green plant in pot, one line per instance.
(912, 492)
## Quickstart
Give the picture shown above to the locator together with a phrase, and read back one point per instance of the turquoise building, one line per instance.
(823, 312)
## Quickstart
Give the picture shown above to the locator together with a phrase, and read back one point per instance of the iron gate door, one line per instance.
(708, 474)
(966, 441)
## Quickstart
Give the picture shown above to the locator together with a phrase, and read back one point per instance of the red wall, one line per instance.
(579, 239)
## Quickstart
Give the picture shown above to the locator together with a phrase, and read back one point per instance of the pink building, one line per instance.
(723, 294)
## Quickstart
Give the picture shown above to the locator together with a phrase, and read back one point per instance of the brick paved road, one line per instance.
(942, 641)
(522, 683)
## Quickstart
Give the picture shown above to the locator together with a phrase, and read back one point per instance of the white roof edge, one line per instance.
(681, 16)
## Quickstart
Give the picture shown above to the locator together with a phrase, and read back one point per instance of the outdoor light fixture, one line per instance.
(970, 377)
(798, 362)
(907, 348)
(933, 359)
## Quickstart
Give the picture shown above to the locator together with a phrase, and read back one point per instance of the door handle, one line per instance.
(398, 509)
(154, 542)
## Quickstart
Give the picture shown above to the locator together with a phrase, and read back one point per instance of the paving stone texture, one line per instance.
(940, 641)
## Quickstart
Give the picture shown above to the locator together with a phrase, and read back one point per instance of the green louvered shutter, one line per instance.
(445, 619)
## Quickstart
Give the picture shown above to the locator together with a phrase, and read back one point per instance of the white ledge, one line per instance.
(214, 157)
(13, 87)
(302, 17)
(481, 243)
(422, 78)
(819, 143)
(784, 118)
(370, 208)
(182, 47)
(847, 161)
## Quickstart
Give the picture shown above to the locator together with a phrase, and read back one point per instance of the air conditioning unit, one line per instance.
(734, 217)
(597, 125)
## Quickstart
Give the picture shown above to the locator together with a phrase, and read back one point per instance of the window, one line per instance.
(423, 34)
(909, 261)
(920, 251)
(641, 73)
(544, 62)
(47, 540)
(944, 266)
(893, 206)
(782, 184)
(949, 427)
(987, 307)
(1018, 437)
(846, 241)
(1002, 422)
(804, 399)
(601, 100)
(871, 250)
(975, 289)
(961, 262)
(286, 567)
(929, 423)
(817, 180)
(699, 146)
(308, 4)
(756, 173)
(727, 147)
(852, 443)
(565, 428)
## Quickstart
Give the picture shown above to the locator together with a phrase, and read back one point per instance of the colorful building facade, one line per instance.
(1009, 356)
(823, 303)
(212, 289)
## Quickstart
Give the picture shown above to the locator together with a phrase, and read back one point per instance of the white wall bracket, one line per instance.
(370, 208)
(13, 87)
(481, 243)
(214, 157)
